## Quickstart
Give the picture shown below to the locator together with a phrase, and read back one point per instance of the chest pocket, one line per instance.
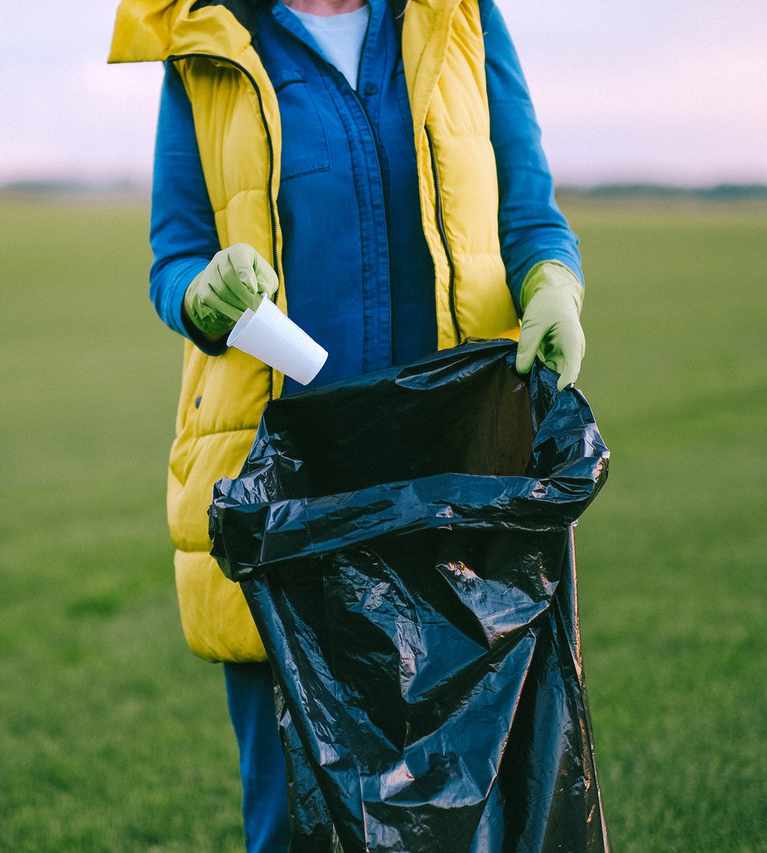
(304, 141)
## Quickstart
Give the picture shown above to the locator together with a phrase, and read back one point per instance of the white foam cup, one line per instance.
(273, 337)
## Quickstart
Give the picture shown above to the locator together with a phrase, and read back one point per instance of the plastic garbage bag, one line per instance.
(404, 541)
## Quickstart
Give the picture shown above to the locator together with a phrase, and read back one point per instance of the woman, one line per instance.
(377, 170)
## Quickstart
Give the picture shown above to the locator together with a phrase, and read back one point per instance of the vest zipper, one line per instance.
(270, 146)
(270, 143)
(437, 194)
(443, 236)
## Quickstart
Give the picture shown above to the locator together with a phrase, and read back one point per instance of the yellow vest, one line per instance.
(237, 123)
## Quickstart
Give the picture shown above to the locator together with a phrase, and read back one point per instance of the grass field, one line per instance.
(114, 738)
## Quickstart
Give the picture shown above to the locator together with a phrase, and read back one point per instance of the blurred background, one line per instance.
(112, 736)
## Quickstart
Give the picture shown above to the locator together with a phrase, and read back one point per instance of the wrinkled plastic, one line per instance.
(404, 541)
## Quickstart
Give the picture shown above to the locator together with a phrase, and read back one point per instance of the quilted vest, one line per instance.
(237, 124)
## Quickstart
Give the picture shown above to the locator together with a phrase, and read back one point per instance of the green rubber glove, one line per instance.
(237, 278)
(551, 328)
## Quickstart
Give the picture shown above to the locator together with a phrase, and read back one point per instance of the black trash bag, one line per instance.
(404, 541)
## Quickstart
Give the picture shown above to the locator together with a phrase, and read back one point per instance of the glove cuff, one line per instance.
(551, 274)
(209, 324)
(188, 301)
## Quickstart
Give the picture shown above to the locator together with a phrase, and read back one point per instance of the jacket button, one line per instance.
(370, 88)
(197, 401)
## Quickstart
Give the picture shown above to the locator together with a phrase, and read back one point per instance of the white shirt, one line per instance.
(340, 37)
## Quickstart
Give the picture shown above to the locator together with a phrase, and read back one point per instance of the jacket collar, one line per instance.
(153, 30)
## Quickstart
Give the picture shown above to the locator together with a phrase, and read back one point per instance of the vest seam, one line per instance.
(195, 551)
(217, 210)
(199, 435)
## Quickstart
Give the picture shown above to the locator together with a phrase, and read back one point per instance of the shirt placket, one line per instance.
(359, 114)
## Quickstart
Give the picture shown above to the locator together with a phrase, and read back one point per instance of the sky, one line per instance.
(663, 91)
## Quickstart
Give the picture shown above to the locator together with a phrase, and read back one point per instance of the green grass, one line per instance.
(114, 738)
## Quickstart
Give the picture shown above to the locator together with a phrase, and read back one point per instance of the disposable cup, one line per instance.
(270, 335)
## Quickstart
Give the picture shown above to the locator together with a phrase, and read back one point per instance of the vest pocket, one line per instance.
(304, 141)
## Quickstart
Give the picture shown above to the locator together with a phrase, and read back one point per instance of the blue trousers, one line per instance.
(262, 763)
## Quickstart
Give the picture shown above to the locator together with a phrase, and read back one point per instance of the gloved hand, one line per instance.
(237, 278)
(551, 328)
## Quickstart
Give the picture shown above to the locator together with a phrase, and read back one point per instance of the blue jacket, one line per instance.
(358, 273)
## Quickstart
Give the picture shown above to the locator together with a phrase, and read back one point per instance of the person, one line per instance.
(375, 168)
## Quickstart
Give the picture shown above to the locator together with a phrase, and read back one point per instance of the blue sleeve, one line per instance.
(531, 226)
(182, 230)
